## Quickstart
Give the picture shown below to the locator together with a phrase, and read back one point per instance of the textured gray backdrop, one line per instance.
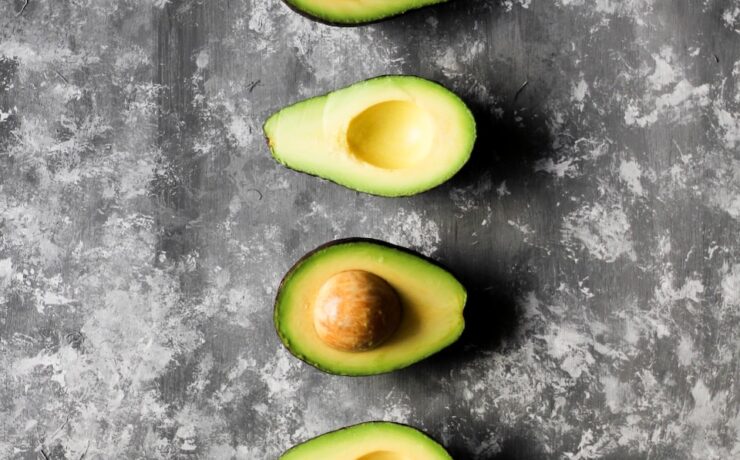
(144, 228)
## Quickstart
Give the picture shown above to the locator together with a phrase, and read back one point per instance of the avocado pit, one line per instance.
(356, 310)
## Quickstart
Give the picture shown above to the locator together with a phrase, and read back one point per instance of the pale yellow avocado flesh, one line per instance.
(432, 303)
(391, 136)
(370, 441)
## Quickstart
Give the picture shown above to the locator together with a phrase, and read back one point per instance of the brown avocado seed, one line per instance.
(356, 310)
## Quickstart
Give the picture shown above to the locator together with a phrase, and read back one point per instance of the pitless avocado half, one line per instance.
(365, 307)
(370, 441)
(354, 12)
(395, 135)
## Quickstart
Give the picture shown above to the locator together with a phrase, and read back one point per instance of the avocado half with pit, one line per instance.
(365, 307)
(355, 12)
(389, 136)
(370, 441)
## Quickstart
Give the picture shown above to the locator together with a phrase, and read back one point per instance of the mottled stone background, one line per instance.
(144, 228)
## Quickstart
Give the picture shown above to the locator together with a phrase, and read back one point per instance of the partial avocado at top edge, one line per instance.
(370, 19)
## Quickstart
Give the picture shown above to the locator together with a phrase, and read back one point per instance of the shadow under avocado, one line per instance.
(512, 131)
(513, 448)
(507, 149)
(492, 320)
(509, 143)
(446, 14)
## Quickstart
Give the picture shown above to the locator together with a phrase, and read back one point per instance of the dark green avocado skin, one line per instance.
(348, 24)
(328, 245)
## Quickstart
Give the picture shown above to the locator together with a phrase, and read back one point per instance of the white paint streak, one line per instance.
(570, 348)
(524, 228)
(509, 4)
(412, 229)
(562, 168)
(731, 287)
(731, 18)
(666, 292)
(618, 394)
(707, 408)
(578, 93)
(685, 351)
(603, 230)
(202, 59)
(679, 105)
(664, 73)
(6, 273)
(729, 123)
(631, 173)
(241, 130)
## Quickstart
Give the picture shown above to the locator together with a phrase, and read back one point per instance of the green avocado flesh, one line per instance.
(390, 136)
(432, 303)
(370, 441)
(352, 12)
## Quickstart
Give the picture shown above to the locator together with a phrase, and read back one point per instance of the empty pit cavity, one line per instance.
(382, 455)
(391, 135)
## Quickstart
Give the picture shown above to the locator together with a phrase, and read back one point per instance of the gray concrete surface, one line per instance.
(144, 228)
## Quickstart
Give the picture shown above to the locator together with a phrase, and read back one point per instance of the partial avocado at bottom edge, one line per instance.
(369, 441)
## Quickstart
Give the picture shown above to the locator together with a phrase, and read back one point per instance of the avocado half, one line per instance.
(355, 12)
(369, 441)
(395, 135)
(432, 302)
